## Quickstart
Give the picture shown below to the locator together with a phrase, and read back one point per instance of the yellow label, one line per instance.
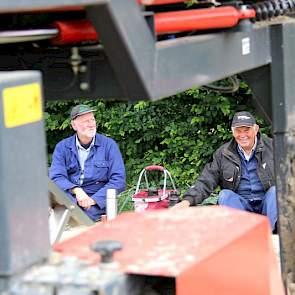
(22, 105)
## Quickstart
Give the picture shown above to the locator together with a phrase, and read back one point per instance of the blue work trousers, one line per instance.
(267, 205)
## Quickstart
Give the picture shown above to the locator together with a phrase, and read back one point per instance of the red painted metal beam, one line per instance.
(200, 19)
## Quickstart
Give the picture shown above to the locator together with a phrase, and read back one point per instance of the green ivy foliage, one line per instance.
(180, 132)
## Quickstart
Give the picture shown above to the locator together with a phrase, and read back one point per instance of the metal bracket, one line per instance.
(61, 213)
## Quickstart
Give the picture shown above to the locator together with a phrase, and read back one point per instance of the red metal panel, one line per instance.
(245, 266)
(206, 249)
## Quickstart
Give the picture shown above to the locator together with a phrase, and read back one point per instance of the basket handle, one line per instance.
(154, 167)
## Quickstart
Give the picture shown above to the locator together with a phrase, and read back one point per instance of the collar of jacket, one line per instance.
(230, 148)
(71, 143)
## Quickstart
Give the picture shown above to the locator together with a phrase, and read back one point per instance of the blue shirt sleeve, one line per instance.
(58, 169)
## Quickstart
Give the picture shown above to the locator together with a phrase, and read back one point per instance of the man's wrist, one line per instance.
(185, 203)
(189, 199)
(74, 190)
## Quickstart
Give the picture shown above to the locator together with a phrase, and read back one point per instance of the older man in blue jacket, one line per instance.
(86, 164)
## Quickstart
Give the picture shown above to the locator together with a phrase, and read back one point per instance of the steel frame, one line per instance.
(133, 65)
(149, 69)
(27, 5)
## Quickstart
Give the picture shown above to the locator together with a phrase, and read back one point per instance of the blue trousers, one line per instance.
(267, 205)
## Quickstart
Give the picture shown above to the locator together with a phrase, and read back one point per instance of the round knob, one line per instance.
(106, 249)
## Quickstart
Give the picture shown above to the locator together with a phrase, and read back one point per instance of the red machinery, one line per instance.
(201, 250)
(79, 31)
(200, 19)
(153, 198)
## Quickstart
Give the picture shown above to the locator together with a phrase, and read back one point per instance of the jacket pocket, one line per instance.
(101, 169)
(228, 178)
(73, 167)
(266, 175)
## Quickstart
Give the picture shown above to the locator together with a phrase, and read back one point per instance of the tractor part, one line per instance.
(200, 19)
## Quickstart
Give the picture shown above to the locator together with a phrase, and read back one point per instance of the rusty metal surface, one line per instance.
(283, 110)
(192, 245)
(287, 224)
(286, 200)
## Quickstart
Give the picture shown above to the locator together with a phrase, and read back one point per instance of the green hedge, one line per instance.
(180, 132)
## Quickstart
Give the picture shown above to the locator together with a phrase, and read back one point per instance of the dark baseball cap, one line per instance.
(243, 119)
(79, 110)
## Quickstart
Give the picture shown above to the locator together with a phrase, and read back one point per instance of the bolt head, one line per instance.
(84, 86)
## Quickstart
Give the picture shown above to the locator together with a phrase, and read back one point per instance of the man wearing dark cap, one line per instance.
(86, 164)
(243, 168)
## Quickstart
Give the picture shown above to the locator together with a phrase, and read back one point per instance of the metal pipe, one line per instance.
(111, 204)
(200, 19)
(83, 31)
(165, 22)
(18, 36)
(160, 2)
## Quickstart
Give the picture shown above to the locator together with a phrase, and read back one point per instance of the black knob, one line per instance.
(106, 249)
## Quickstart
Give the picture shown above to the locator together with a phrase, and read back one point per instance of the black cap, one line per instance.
(79, 110)
(243, 119)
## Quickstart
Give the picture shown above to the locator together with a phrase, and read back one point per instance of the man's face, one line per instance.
(85, 126)
(245, 136)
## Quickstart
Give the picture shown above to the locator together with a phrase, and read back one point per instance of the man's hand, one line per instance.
(182, 204)
(82, 198)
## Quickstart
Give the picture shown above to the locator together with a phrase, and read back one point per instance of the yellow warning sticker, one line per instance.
(22, 105)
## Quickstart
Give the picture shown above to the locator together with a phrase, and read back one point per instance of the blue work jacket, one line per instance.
(104, 169)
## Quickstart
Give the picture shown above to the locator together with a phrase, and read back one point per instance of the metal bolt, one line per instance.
(75, 59)
(83, 69)
(84, 86)
(106, 249)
